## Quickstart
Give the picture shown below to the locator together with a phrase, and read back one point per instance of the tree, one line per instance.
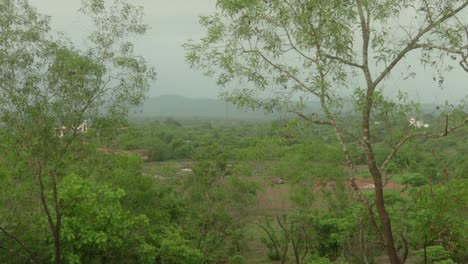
(438, 212)
(49, 86)
(276, 54)
(219, 205)
(95, 227)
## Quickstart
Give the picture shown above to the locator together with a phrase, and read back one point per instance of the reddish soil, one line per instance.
(276, 197)
(363, 183)
(273, 199)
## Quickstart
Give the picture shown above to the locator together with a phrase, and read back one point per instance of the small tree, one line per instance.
(278, 53)
(48, 86)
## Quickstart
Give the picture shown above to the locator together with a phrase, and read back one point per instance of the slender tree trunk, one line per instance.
(58, 220)
(425, 245)
(54, 226)
(384, 219)
(381, 210)
(57, 246)
(362, 242)
(294, 243)
(377, 178)
(282, 223)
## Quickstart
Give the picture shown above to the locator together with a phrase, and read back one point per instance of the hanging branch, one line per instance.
(31, 256)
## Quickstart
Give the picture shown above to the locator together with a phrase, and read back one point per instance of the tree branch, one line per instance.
(412, 44)
(309, 119)
(347, 62)
(405, 243)
(31, 255)
(295, 48)
(14, 252)
(421, 134)
(365, 39)
(370, 212)
(288, 73)
(443, 48)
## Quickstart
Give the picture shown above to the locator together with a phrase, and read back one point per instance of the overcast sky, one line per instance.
(173, 22)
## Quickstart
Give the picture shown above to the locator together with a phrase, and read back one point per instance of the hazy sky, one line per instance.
(173, 22)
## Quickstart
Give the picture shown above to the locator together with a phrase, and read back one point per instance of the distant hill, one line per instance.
(183, 107)
(180, 106)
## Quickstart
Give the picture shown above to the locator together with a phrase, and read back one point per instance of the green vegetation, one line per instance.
(275, 55)
(79, 183)
(227, 206)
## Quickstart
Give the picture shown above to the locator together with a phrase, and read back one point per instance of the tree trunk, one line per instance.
(58, 257)
(383, 214)
(378, 184)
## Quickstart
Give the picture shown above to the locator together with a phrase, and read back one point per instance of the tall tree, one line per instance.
(274, 54)
(47, 87)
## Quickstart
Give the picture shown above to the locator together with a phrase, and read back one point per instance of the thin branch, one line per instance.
(368, 206)
(365, 38)
(288, 73)
(405, 243)
(309, 119)
(286, 236)
(439, 47)
(347, 62)
(421, 134)
(295, 48)
(31, 255)
(328, 123)
(464, 60)
(464, 63)
(43, 198)
(271, 236)
(428, 10)
(14, 252)
(412, 44)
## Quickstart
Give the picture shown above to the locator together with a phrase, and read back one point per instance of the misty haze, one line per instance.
(233, 131)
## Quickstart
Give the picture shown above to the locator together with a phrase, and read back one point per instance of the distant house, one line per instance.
(184, 172)
(80, 129)
(417, 123)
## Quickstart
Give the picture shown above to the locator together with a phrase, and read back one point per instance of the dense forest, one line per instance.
(288, 169)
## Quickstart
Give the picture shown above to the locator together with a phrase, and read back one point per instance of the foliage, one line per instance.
(218, 204)
(49, 88)
(173, 248)
(237, 259)
(313, 233)
(414, 179)
(440, 213)
(435, 254)
(274, 55)
(94, 224)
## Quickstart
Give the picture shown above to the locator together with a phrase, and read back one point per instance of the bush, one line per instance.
(173, 248)
(435, 254)
(237, 259)
(447, 261)
(414, 179)
(314, 259)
